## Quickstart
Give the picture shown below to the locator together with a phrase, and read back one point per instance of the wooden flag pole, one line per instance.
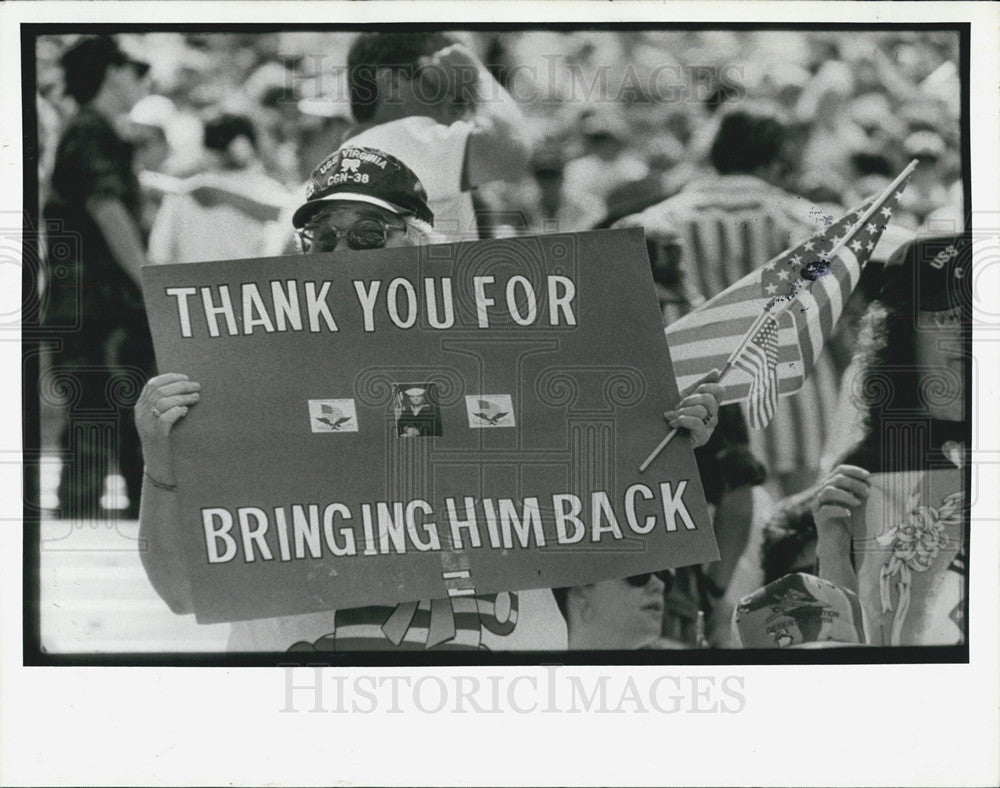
(670, 435)
(656, 452)
(726, 369)
(749, 335)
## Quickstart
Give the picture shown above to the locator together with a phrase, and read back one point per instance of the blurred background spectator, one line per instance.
(225, 212)
(101, 351)
(623, 105)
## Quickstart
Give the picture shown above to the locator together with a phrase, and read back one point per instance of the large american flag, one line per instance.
(803, 289)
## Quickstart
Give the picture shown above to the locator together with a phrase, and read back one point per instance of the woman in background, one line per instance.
(888, 528)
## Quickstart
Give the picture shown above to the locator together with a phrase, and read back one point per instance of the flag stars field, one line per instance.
(744, 328)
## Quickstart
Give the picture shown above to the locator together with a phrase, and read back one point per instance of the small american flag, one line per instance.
(760, 359)
(801, 292)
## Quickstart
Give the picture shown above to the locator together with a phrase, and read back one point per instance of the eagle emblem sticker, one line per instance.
(333, 415)
(490, 410)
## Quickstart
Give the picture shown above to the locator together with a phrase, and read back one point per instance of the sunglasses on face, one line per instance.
(139, 67)
(944, 319)
(639, 581)
(367, 233)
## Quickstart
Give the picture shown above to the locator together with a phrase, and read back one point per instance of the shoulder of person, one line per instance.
(666, 644)
(88, 119)
(419, 127)
(587, 204)
(802, 212)
(663, 217)
(253, 185)
(87, 131)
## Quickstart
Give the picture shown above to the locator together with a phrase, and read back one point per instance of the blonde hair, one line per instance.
(420, 233)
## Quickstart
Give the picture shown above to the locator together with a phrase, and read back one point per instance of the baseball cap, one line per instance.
(604, 124)
(799, 611)
(92, 52)
(365, 175)
(924, 143)
(936, 272)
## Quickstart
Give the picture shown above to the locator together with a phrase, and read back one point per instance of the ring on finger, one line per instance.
(156, 413)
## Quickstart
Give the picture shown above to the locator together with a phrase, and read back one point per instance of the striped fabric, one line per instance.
(728, 226)
(760, 359)
(804, 290)
(363, 629)
(458, 623)
(705, 338)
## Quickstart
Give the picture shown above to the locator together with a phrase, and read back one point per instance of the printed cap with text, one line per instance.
(364, 175)
(934, 274)
(799, 611)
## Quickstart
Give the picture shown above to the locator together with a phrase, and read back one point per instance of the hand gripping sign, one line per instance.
(368, 423)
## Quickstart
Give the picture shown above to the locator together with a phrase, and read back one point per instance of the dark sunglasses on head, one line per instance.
(639, 581)
(367, 233)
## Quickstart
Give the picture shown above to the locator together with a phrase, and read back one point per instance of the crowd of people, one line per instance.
(724, 147)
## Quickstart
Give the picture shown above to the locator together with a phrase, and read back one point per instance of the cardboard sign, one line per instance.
(404, 424)
(908, 542)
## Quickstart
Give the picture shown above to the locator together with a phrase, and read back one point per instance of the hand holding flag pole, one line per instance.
(710, 377)
(756, 352)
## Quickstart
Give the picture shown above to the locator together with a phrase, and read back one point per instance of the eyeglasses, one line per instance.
(639, 581)
(367, 233)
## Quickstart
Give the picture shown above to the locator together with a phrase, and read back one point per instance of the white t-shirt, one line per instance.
(187, 232)
(436, 154)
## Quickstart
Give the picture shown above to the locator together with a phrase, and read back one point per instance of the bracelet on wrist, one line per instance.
(158, 484)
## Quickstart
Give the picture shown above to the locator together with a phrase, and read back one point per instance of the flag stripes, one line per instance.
(803, 290)
(759, 358)
(729, 228)
(704, 339)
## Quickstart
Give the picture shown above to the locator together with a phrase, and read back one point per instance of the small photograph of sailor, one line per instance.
(417, 411)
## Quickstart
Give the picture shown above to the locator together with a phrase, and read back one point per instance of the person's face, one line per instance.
(416, 400)
(549, 181)
(349, 228)
(240, 153)
(939, 359)
(621, 615)
(604, 145)
(428, 92)
(130, 81)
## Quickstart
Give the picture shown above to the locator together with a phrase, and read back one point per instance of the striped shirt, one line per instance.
(726, 227)
(461, 623)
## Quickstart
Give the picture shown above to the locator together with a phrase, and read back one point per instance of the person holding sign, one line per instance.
(358, 199)
(890, 517)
